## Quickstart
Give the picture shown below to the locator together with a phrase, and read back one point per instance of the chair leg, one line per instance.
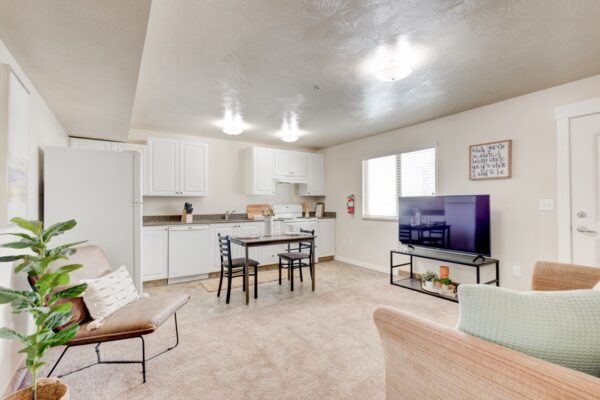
(300, 268)
(292, 274)
(143, 358)
(58, 361)
(256, 281)
(220, 283)
(228, 288)
(280, 271)
(243, 285)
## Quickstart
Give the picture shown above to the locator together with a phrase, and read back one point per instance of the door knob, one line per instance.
(583, 229)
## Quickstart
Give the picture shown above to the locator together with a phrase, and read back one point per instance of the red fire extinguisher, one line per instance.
(350, 204)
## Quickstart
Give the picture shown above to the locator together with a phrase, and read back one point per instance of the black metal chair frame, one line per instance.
(99, 358)
(290, 265)
(225, 252)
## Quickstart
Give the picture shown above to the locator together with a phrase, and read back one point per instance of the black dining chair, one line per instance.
(234, 267)
(294, 258)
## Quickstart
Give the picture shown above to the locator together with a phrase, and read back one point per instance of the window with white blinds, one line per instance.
(405, 174)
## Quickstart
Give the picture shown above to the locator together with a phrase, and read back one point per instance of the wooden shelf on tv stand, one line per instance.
(413, 283)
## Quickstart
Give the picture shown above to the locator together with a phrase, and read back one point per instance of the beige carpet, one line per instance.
(269, 275)
(300, 345)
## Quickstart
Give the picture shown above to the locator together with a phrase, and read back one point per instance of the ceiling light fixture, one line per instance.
(393, 62)
(233, 123)
(289, 128)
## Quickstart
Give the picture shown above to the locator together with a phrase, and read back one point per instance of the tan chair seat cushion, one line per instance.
(140, 317)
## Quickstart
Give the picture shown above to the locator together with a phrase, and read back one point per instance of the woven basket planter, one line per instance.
(48, 389)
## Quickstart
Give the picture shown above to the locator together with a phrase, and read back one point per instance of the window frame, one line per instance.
(364, 215)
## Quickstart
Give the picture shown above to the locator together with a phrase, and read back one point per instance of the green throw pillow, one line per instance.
(560, 327)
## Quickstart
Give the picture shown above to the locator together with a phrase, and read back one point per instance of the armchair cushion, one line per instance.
(137, 318)
(560, 326)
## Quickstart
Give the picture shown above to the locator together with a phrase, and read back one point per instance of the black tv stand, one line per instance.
(414, 283)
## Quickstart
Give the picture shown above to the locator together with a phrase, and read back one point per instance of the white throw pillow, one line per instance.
(107, 294)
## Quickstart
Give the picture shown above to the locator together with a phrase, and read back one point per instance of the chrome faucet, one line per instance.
(228, 214)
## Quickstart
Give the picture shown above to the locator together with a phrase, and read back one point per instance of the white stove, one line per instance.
(290, 213)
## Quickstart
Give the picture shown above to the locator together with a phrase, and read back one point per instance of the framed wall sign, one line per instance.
(490, 160)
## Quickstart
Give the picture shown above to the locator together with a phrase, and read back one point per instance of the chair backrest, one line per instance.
(224, 250)
(94, 261)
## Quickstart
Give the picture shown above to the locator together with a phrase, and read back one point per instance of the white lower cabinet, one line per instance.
(190, 251)
(326, 237)
(155, 257)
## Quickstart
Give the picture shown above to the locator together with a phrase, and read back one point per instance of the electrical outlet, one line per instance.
(546, 205)
(516, 270)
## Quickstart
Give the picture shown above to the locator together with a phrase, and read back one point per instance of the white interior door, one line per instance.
(585, 187)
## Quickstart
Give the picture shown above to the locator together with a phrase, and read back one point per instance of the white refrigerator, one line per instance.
(102, 191)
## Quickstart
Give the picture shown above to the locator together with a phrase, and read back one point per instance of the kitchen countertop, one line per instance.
(208, 219)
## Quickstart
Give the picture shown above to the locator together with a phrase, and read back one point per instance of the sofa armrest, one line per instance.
(556, 276)
(426, 360)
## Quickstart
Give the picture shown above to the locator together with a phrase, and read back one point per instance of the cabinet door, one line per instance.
(142, 150)
(224, 230)
(282, 162)
(315, 182)
(297, 163)
(163, 157)
(155, 245)
(89, 144)
(193, 169)
(264, 171)
(326, 238)
(190, 251)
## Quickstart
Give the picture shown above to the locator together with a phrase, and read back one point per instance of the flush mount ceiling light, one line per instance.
(233, 124)
(393, 62)
(289, 128)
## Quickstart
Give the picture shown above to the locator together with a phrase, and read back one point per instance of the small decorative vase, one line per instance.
(429, 284)
(268, 226)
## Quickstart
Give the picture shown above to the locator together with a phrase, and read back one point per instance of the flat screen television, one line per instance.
(452, 223)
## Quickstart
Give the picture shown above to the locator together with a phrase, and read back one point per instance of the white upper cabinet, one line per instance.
(177, 168)
(315, 171)
(193, 167)
(163, 167)
(90, 144)
(290, 165)
(260, 171)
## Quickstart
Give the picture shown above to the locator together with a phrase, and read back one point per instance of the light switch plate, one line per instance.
(546, 205)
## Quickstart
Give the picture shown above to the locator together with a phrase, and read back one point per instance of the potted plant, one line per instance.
(428, 278)
(42, 302)
(445, 283)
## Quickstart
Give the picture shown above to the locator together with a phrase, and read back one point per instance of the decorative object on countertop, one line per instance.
(268, 214)
(319, 210)
(255, 211)
(306, 208)
(490, 160)
(350, 204)
(186, 215)
(444, 272)
(428, 278)
(49, 301)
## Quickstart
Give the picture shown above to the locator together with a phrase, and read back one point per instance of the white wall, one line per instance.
(225, 180)
(521, 234)
(45, 130)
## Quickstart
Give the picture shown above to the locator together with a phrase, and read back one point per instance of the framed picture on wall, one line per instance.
(490, 160)
(14, 146)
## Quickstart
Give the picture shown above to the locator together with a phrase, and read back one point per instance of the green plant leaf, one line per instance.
(69, 293)
(6, 333)
(32, 226)
(21, 235)
(58, 229)
(50, 281)
(56, 319)
(9, 295)
(65, 249)
(63, 336)
(23, 244)
(12, 258)
(68, 268)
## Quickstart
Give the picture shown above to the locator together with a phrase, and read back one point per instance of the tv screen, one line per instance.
(453, 223)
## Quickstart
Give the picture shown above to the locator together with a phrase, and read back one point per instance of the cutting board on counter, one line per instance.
(255, 210)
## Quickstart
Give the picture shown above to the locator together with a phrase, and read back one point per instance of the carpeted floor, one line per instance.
(300, 345)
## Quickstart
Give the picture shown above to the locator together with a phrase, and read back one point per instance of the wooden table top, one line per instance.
(267, 240)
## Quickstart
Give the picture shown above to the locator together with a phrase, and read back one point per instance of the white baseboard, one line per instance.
(363, 264)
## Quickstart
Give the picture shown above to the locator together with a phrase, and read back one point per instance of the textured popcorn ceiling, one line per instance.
(264, 57)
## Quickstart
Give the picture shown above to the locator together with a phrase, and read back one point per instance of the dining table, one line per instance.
(285, 238)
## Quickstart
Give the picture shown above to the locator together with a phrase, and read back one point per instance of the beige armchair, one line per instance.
(426, 360)
(137, 319)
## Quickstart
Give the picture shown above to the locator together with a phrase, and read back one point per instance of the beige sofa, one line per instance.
(425, 360)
